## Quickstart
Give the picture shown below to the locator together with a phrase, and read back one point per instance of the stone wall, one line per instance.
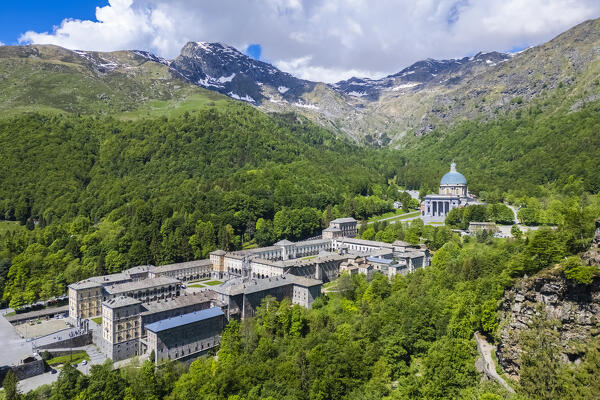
(77, 341)
(27, 370)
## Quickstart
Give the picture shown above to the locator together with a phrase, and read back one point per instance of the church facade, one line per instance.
(453, 193)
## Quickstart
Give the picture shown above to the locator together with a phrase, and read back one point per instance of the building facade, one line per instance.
(185, 336)
(121, 328)
(453, 193)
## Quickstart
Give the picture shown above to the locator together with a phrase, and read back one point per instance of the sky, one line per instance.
(320, 40)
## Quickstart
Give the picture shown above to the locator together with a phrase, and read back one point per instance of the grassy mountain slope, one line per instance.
(570, 62)
(50, 78)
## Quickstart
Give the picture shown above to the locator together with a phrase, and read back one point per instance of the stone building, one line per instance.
(474, 227)
(144, 282)
(185, 336)
(145, 290)
(121, 328)
(341, 227)
(242, 298)
(184, 271)
(453, 193)
(124, 320)
(85, 299)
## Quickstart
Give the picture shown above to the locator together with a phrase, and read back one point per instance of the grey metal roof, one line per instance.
(364, 242)
(380, 260)
(179, 302)
(180, 266)
(121, 301)
(38, 313)
(85, 284)
(218, 252)
(141, 284)
(259, 285)
(343, 220)
(138, 269)
(184, 319)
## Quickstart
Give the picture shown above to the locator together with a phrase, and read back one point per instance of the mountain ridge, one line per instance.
(418, 99)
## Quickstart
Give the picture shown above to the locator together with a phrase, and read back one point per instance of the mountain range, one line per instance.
(418, 99)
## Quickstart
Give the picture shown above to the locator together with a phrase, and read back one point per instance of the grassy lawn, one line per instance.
(213, 283)
(74, 358)
(196, 285)
(10, 314)
(97, 320)
(435, 223)
(199, 280)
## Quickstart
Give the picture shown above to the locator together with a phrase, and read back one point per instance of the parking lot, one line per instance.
(43, 328)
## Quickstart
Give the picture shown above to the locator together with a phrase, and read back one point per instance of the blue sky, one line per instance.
(17, 17)
(320, 40)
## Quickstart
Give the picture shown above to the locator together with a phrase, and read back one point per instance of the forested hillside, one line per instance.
(409, 338)
(529, 153)
(100, 194)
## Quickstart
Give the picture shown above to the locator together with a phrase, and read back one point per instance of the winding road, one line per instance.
(489, 367)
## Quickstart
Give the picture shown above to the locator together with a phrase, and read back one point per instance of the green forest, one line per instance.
(528, 153)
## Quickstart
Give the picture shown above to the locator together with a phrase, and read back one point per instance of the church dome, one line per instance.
(453, 177)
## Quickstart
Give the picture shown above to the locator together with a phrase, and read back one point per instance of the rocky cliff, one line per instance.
(573, 309)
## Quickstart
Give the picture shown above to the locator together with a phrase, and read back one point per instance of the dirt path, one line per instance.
(489, 367)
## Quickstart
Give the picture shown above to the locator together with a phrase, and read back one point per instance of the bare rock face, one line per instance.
(592, 256)
(575, 307)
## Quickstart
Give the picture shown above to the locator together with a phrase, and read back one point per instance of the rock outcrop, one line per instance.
(592, 256)
(574, 307)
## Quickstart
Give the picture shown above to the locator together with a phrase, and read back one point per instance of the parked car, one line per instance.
(52, 371)
(84, 362)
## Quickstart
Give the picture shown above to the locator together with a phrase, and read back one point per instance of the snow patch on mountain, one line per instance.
(225, 79)
(244, 98)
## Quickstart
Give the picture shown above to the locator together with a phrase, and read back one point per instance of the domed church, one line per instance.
(454, 183)
(453, 193)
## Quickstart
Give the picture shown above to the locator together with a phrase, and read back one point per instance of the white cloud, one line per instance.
(325, 39)
(1, 44)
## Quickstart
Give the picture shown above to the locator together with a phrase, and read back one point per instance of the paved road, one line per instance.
(514, 210)
(12, 347)
(485, 349)
(27, 385)
(393, 217)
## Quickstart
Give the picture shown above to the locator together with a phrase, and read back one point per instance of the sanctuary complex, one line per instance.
(150, 310)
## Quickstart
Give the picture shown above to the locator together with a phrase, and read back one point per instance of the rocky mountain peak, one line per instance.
(223, 68)
(428, 72)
